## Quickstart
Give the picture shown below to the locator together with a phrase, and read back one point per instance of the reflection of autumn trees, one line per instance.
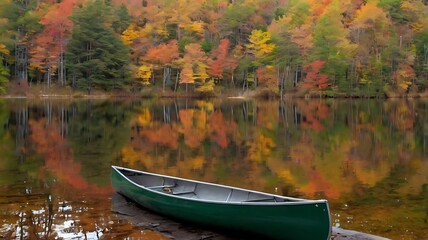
(43, 192)
(220, 129)
(58, 155)
(320, 147)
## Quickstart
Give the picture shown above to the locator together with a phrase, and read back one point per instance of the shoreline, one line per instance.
(168, 95)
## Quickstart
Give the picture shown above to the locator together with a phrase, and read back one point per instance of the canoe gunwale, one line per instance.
(290, 200)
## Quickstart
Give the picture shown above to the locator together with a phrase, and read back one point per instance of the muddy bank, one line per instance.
(177, 230)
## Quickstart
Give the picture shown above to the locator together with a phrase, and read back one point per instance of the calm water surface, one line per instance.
(369, 158)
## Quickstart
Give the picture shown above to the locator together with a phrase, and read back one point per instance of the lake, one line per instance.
(369, 158)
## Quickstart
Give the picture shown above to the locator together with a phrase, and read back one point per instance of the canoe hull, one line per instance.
(276, 221)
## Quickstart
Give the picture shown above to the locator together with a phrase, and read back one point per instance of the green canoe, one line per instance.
(267, 215)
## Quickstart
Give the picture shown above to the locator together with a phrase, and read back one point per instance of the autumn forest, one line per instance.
(330, 48)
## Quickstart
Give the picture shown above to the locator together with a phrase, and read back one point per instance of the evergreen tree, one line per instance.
(4, 71)
(96, 57)
(122, 19)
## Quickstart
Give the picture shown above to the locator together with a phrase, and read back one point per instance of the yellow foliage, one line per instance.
(405, 84)
(197, 27)
(130, 156)
(197, 163)
(144, 73)
(368, 14)
(286, 175)
(207, 86)
(205, 105)
(130, 34)
(260, 43)
(4, 50)
(201, 120)
(144, 118)
(162, 32)
(261, 148)
(365, 81)
(200, 72)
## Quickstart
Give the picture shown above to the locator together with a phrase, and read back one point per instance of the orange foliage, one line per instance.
(319, 6)
(318, 183)
(165, 135)
(50, 43)
(220, 129)
(266, 76)
(163, 54)
(368, 14)
(218, 59)
(192, 127)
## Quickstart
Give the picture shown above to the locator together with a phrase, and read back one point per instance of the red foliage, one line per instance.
(218, 59)
(50, 43)
(314, 79)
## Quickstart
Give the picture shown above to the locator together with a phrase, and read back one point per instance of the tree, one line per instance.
(48, 48)
(236, 22)
(144, 73)
(4, 71)
(195, 68)
(370, 30)
(259, 47)
(96, 57)
(122, 19)
(217, 62)
(332, 46)
(164, 56)
(314, 80)
(286, 55)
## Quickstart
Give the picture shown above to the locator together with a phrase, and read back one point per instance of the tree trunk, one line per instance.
(176, 80)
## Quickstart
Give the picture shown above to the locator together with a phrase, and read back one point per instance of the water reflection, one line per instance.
(54, 169)
(368, 158)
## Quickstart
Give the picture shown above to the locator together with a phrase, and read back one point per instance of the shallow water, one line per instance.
(369, 158)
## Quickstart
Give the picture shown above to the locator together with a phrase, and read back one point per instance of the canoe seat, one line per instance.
(183, 193)
(161, 186)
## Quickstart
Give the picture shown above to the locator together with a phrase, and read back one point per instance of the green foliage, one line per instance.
(96, 57)
(393, 7)
(183, 42)
(100, 129)
(4, 71)
(30, 22)
(279, 13)
(421, 43)
(234, 20)
(4, 74)
(299, 13)
(122, 19)
(332, 46)
(207, 46)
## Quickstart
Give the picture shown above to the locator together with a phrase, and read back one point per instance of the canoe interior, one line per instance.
(200, 190)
